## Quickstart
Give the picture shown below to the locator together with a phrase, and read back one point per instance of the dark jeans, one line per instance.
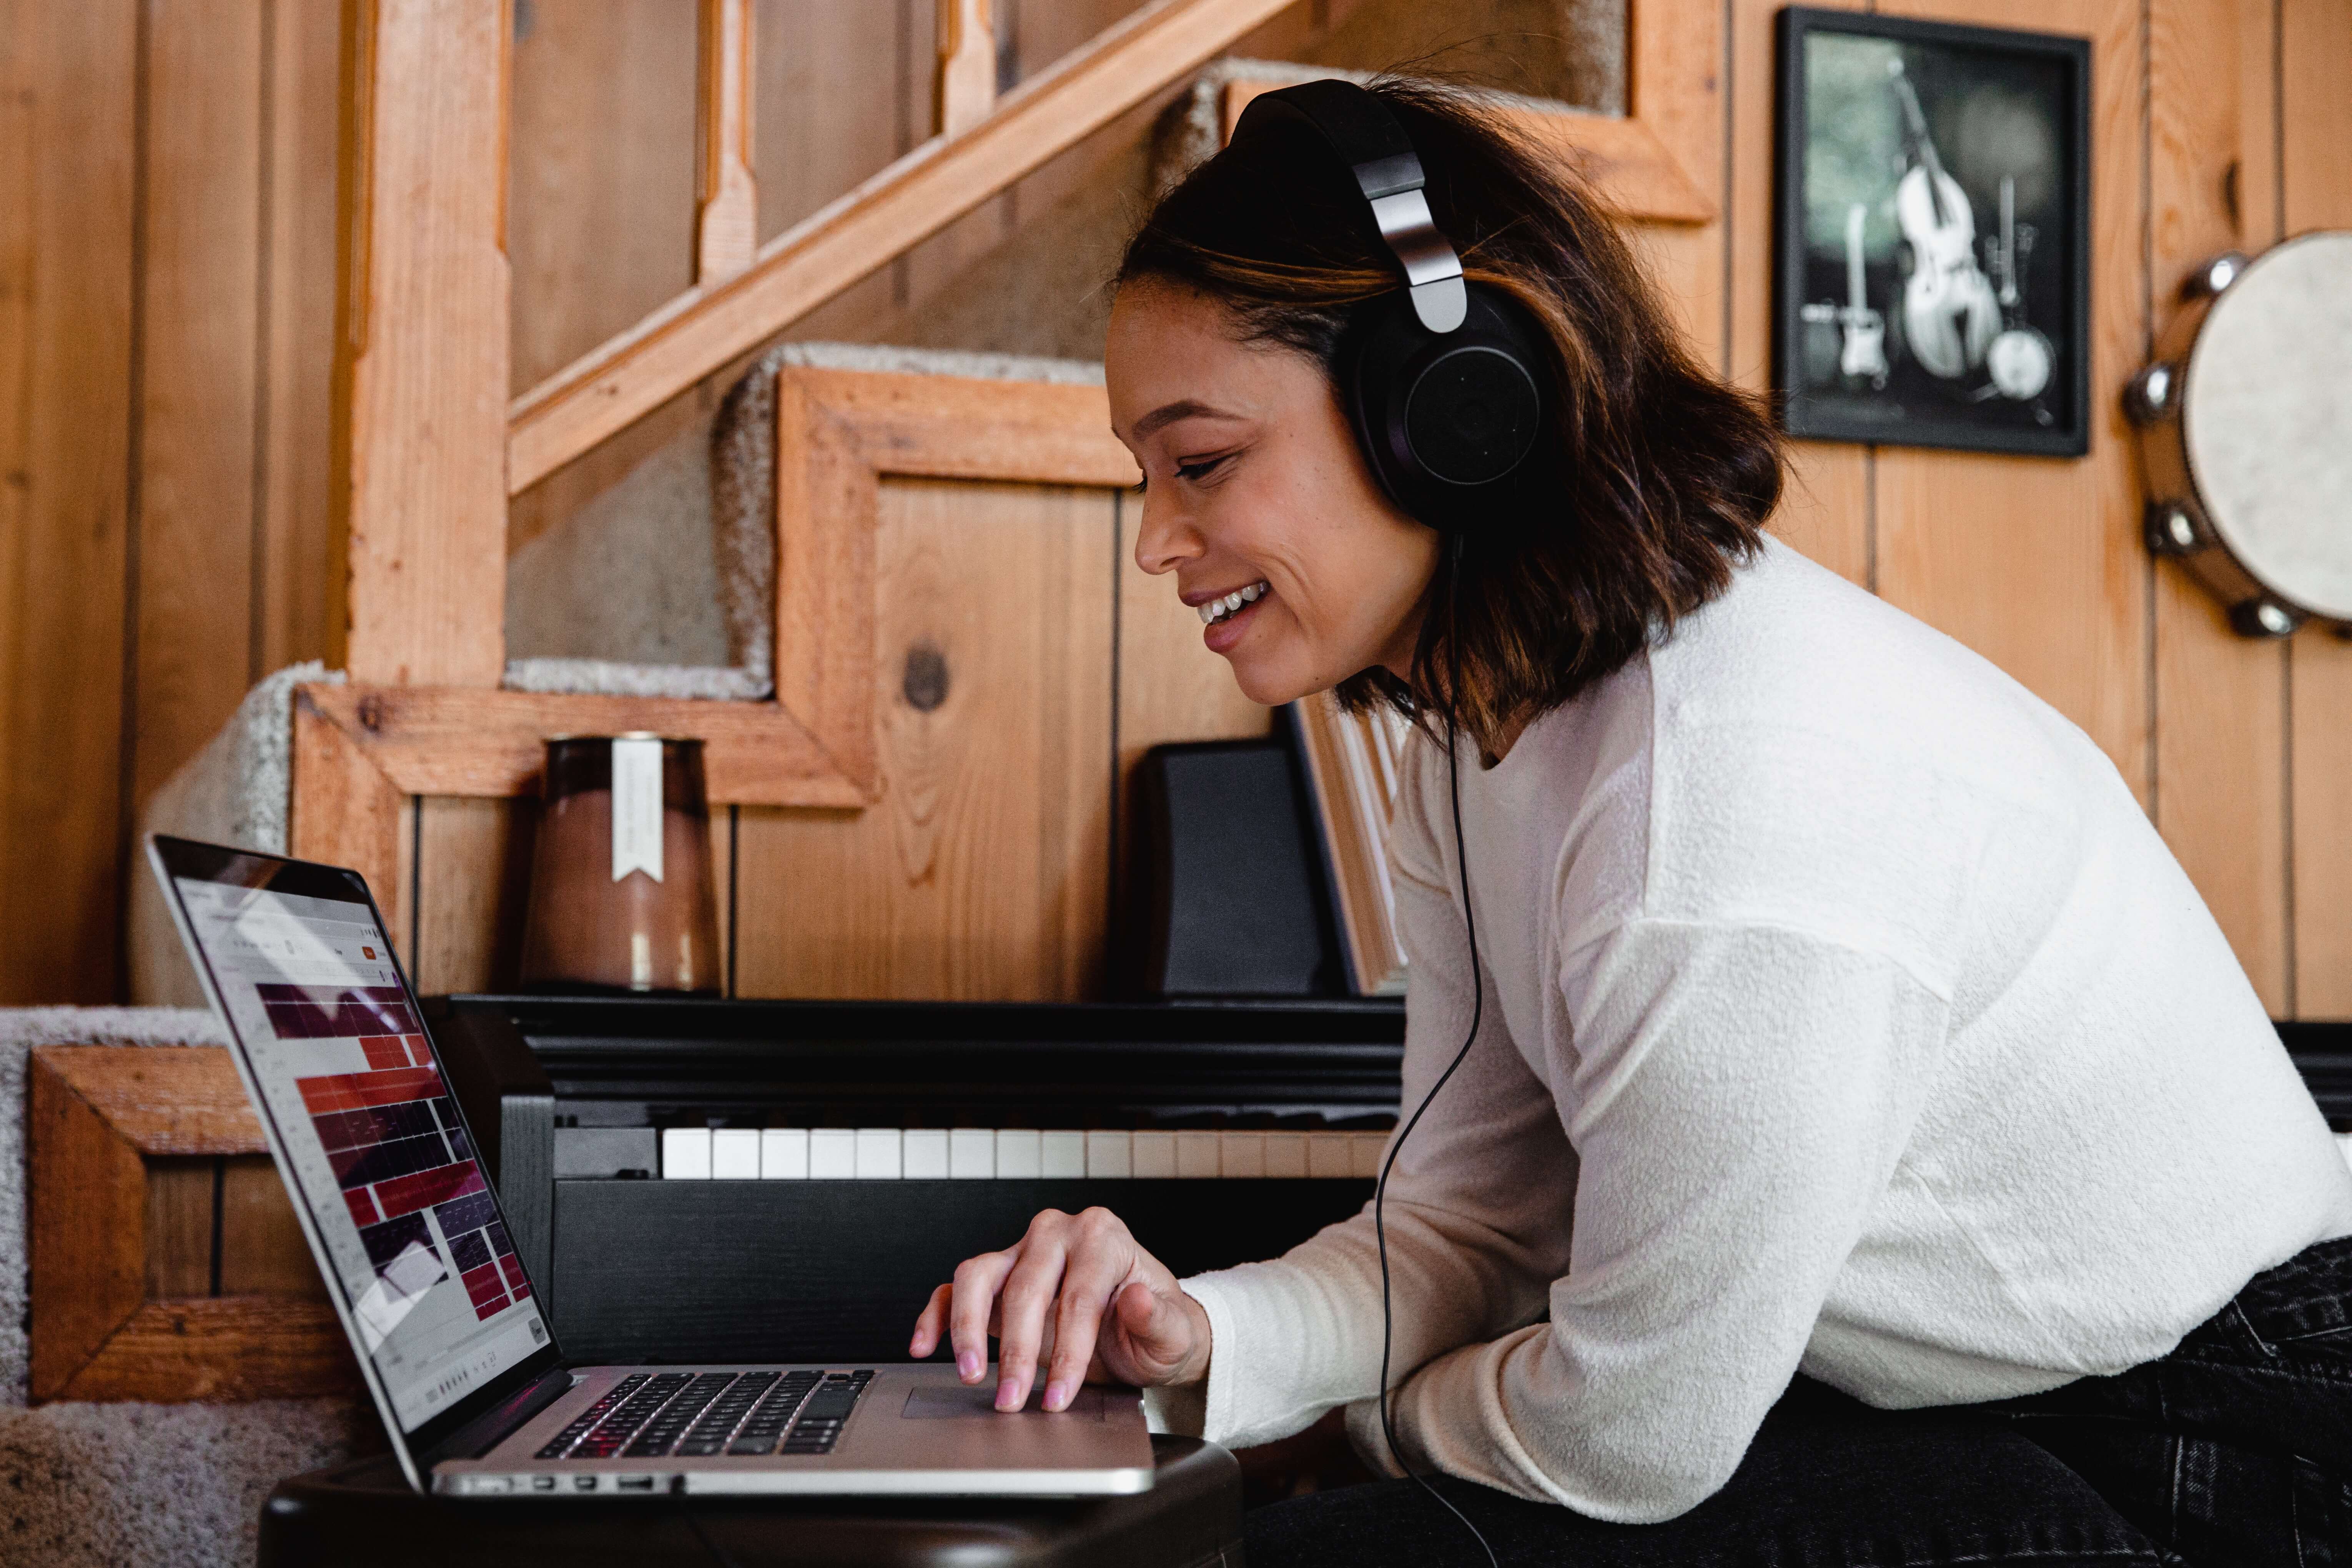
(2234, 1451)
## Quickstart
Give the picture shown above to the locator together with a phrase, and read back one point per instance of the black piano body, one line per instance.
(574, 1100)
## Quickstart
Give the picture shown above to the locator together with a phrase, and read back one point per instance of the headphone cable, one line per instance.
(1478, 1010)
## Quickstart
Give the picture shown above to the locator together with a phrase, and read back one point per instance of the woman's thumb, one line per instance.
(1157, 1329)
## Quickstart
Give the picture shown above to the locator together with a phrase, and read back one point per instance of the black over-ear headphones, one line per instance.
(1443, 381)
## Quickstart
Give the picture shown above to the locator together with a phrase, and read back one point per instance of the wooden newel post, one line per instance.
(422, 367)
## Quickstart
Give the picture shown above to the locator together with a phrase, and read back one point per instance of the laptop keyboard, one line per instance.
(694, 1415)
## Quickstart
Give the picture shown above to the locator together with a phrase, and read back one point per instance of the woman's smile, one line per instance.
(1227, 615)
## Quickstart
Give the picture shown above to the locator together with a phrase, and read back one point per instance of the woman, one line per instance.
(1865, 1146)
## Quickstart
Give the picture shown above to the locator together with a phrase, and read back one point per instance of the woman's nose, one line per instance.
(1165, 540)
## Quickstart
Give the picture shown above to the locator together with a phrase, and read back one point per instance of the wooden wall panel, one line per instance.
(1684, 53)
(1826, 510)
(2036, 563)
(983, 871)
(2219, 794)
(298, 608)
(192, 639)
(601, 161)
(2315, 191)
(65, 488)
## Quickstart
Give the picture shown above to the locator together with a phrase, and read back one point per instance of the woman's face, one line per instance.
(1255, 488)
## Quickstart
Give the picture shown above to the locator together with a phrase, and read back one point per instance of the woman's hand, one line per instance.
(1076, 1289)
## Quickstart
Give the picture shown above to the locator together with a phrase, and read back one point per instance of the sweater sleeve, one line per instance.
(1477, 1213)
(1742, 1095)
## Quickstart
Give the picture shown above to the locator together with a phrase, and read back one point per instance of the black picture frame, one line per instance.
(1944, 373)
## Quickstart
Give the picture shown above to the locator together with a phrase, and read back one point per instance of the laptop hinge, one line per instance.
(488, 1430)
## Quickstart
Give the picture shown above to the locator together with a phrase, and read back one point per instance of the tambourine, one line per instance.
(2245, 435)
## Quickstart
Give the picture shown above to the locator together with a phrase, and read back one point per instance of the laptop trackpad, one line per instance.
(955, 1402)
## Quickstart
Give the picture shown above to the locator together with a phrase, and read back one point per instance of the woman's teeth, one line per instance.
(1216, 610)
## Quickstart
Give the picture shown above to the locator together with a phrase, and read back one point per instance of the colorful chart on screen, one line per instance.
(377, 1149)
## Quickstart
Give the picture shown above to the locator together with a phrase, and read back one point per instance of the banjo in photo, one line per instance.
(2245, 431)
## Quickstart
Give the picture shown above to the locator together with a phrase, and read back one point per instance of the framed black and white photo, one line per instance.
(1932, 207)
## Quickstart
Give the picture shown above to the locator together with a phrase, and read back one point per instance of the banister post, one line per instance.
(421, 374)
(727, 221)
(967, 80)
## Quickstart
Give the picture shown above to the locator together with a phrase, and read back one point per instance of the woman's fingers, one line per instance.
(1099, 1258)
(930, 1323)
(977, 1281)
(1028, 1294)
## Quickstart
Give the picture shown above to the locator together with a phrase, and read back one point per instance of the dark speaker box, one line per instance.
(1231, 891)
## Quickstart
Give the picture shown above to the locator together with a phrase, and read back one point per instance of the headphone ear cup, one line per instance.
(1447, 421)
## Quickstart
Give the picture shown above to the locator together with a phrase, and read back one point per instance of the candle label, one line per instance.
(638, 808)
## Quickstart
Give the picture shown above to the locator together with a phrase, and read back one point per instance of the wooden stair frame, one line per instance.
(429, 447)
(110, 1130)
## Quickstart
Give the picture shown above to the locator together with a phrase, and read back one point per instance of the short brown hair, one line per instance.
(1659, 477)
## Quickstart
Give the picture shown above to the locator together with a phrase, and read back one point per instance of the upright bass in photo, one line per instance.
(1932, 286)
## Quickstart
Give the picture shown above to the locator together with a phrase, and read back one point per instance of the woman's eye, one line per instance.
(1189, 472)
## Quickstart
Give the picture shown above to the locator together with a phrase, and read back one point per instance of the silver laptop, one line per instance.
(472, 1386)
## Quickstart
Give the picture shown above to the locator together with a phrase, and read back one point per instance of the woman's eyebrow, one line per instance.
(1167, 414)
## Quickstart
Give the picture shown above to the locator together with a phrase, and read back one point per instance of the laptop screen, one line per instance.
(372, 1140)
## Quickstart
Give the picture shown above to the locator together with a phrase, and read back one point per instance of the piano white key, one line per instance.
(784, 1155)
(1019, 1152)
(1196, 1153)
(1241, 1153)
(1331, 1154)
(972, 1152)
(1286, 1153)
(1061, 1153)
(735, 1154)
(686, 1153)
(1155, 1155)
(878, 1153)
(1370, 1149)
(833, 1154)
(1110, 1154)
(924, 1153)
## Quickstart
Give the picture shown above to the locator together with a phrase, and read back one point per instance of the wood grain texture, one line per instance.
(1676, 59)
(425, 340)
(603, 161)
(344, 810)
(222, 1350)
(197, 384)
(1825, 507)
(262, 1251)
(160, 1101)
(65, 171)
(87, 1223)
(124, 1145)
(473, 886)
(300, 580)
(967, 66)
(392, 742)
(179, 1228)
(2314, 164)
(2219, 743)
(918, 194)
(982, 871)
(727, 216)
(2035, 562)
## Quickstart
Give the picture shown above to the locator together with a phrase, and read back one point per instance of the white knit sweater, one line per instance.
(1844, 1014)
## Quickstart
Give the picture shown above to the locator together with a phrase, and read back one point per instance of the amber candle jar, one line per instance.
(621, 887)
